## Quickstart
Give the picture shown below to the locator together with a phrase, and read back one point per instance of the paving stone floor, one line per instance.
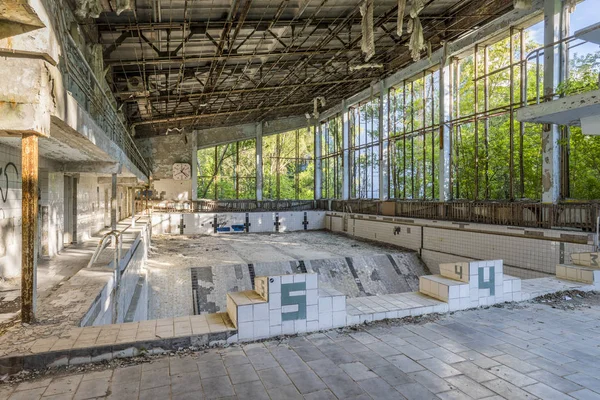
(514, 352)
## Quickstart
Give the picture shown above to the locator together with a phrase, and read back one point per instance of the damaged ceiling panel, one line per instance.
(197, 64)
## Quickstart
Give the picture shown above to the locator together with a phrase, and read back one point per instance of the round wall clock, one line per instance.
(182, 171)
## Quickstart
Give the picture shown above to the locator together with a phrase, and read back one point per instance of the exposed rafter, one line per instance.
(244, 60)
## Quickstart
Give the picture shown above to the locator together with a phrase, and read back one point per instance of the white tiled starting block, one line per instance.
(285, 304)
(584, 268)
(471, 284)
(290, 304)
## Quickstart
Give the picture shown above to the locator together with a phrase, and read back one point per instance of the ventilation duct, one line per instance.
(367, 44)
(401, 8)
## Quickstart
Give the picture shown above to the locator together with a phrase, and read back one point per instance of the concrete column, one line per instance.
(113, 202)
(259, 162)
(194, 159)
(445, 130)
(552, 77)
(318, 155)
(345, 152)
(133, 207)
(29, 174)
(383, 134)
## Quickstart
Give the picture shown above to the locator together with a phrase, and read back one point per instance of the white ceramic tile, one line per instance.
(287, 328)
(312, 326)
(275, 317)
(275, 330)
(325, 320)
(325, 305)
(300, 325)
(312, 281)
(290, 308)
(339, 303)
(244, 314)
(275, 286)
(312, 313)
(261, 329)
(261, 311)
(246, 330)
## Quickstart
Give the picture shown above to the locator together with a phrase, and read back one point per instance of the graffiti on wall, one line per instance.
(4, 182)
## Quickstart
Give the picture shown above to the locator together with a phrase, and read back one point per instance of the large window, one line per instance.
(583, 151)
(414, 137)
(227, 171)
(364, 150)
(288, 165)
(331, 158)
(494, 156)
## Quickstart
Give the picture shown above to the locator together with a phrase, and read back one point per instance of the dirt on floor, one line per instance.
(202, 250)
(9, 306)
(570, 299)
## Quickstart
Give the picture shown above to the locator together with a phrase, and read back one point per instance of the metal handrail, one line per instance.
(121, 134)
(539, 52)
(101, 246)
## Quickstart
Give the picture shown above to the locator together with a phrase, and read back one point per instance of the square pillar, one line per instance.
(259, 161)
(445, 99)
(29, 165)
(113, 202)
(345, 152)
(553, 71)
(383, 135)
(194, 160)
(318, 154)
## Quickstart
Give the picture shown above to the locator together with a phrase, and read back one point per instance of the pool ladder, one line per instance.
(117, 257)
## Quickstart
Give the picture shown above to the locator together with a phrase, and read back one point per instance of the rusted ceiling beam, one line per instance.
(231, 57)
(129, 97)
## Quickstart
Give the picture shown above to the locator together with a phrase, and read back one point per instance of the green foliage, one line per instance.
(288, 165)
(480, 144)
(227, 171)
(583, 74)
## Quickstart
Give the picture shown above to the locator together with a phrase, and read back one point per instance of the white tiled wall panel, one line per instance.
(444, 241)
(202, 223)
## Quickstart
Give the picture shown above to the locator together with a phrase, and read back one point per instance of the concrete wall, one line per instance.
(51, 198)
(527, 253)
(91, 209)
(162, 152)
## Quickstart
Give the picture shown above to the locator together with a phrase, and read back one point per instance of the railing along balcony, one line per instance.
(537, 93)
(91, 95)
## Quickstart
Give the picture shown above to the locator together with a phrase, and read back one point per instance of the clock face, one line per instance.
(182, 171)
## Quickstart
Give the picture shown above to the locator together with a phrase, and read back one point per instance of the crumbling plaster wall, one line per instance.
(91, 211)
(10, 208)
(161, 152)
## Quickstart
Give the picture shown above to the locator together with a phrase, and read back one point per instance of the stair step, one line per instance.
(442, 288)
(458, 271)
(246, 306)
(578, 273)
(590, 260)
